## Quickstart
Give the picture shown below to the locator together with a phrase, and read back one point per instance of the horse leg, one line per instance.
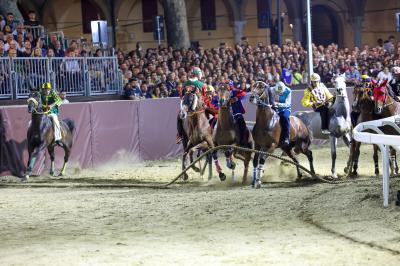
(67, 152)
(222, 176)
(333, 156)
(355, 156)
(50, 149)
(255, 164)
(184, 175)
(32, 159)
(260, 171)
(310, 158)
(229, 163)
(376, 161)
(246, 163)
(290, 153)
(393, 162)
(347, 140)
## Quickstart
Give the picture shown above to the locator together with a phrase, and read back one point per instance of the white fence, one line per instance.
(384, 141)
(75, 75)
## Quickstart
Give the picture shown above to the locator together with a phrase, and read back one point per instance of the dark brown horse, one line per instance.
(372, 104)
(267, 130)
(199, 131)
(227, 132)
(41, 135)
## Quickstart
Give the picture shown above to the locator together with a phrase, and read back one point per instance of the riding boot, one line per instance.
(284, 121)
(242, 130)
(180, 129)
(324, 113)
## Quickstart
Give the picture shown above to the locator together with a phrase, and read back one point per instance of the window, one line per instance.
(149, 10)
(208, 20)
(90, 11)
(263, 14)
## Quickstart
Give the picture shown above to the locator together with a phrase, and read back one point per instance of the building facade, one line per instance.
(210, 22)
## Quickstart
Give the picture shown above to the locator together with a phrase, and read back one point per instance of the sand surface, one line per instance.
(91, 217)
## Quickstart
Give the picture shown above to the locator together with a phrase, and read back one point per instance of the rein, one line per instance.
(195, 112)
(35, 111)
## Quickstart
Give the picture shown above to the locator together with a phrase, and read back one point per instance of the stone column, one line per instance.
(238, 29)
(176, 23)
(11, 6)
(357, 30)
(298, 29)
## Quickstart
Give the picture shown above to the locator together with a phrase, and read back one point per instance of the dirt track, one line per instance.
(284, 223)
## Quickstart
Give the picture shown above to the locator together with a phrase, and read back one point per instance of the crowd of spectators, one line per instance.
(161, 72)
(25, 39)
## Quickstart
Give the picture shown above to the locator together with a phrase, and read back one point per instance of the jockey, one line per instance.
(193, 85)
(394, 84)
(211, 102)
(283, 106)
(51, 101)
(238, 111)
(318, 97)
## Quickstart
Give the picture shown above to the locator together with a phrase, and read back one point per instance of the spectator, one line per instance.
(27, 50)
(32, 21)
(3, 53)
(8, 21)
(53, 41)
(352, 75)
(20, 30)
(50, 53)
(58, 51)
(385, 74)
(12, 52)
(145, 91)
(63, 96)
(37, 52)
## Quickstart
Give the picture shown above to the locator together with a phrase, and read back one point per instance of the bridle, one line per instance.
(260, 98)
(36, 104)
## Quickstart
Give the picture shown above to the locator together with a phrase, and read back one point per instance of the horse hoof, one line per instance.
(185, 177)
(222, 176)
(258, 184)
(233, 166)
(334, 176)
(196, 169)
(25, 178)
(346, 170)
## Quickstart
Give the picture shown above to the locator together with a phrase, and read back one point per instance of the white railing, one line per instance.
(74, 75)
(384, 141)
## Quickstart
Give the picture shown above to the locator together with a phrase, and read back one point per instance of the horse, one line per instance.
(227, 133)
(199, 131)
(40, 135)
(267, 130)
(339, 121)
(372, 103)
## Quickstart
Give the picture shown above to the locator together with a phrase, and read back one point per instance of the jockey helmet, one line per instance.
(210, 88)
(315, 77)
(46, 86)
(196, 72)
(280, 86)
(396, 70)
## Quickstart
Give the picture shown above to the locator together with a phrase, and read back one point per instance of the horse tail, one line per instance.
(70, 123)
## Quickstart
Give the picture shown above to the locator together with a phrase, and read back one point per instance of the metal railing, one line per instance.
(74, 75)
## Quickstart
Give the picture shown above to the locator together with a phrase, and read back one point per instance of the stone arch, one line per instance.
(324, 26)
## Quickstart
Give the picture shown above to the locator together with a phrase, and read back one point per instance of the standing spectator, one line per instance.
(58, 51)
(19, 30)
(32, 21)
(63, 96)
(27, 50)
(3, 53)
(352, 75)
(385, 74)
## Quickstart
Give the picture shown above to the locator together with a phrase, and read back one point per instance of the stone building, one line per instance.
(210, 22)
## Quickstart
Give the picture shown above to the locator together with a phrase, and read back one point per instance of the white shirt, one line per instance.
(383, 76)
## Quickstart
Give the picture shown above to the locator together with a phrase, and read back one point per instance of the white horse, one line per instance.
(339, 122)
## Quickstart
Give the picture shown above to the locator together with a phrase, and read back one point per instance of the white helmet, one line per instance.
(279, 87)
(315, 77)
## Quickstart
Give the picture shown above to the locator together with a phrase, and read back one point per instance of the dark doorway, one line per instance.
(324, 26)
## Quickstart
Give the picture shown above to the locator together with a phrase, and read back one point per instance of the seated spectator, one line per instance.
(20, 43)
(8, 21)
(37, 52)
(7, 30)
(156, 93)
(12, 52)
(40, 45)
(136, 88)
(9, 42)
(297, 77)
(63, 96)
(2, 36)
(128, 92)
(53, 41)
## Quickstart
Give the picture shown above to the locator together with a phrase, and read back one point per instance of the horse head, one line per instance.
(340, 86)
(380, 95)
(259, 93)
(189, 104)
(34, 102)
(224, 96)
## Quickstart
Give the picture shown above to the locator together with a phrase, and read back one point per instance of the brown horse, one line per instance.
(41, 135)
(267, 130)
(227, 133)
(372, 104)
(199, 131)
